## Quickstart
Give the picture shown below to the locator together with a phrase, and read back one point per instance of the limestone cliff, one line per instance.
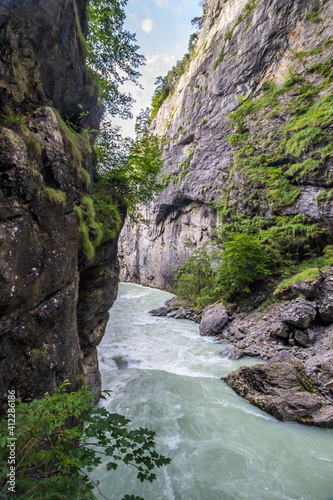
(210, 158)
(54, 302)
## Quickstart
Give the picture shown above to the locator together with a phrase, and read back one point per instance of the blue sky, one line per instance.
(162, 28)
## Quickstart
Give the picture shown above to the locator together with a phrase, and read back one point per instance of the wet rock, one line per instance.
(178, 314)
(232, 352)
(299, 313)
(214, 319)
(161, 311)
(306, 338)
(285, 390)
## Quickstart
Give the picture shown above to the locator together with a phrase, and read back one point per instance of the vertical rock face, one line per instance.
(53, 303)
(241, 46)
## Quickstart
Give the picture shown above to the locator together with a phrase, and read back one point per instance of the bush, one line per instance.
(243, 262)
(195, 280)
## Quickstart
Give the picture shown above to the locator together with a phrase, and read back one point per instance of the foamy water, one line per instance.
(166, 377)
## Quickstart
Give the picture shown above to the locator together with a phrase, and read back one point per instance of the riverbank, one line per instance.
(165, 376)
(293, 335)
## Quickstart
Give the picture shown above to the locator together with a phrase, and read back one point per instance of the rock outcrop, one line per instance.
(242, 45)
(286, 391)
(54, 302)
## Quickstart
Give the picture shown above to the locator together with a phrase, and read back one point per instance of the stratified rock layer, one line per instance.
(53, 303)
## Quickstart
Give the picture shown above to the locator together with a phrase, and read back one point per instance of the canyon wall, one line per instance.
(54, 302)
(241, 49)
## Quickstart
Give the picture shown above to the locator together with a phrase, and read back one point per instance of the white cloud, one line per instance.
(147, 25)
(177, 10)
(162, 4)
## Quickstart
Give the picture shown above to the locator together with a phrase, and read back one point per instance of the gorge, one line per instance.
(246, 138)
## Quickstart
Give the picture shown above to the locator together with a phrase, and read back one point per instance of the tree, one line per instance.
(128, 170)
(112, 54)
(54, 453)
(195, 279)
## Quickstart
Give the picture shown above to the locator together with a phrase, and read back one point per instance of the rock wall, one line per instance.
(241, 46)
(53, 303)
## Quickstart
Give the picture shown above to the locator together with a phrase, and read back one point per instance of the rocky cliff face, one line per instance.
(53, 302)
(248, 135)
(243, 48)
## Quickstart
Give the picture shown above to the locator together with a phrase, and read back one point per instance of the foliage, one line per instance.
(128, 169)
(34, 148)
(166, 85)
(244, 261)
(12, 119)
(195, 280)
(112, 54)
(54, 454)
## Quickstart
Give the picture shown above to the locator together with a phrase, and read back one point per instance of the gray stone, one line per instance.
(299, 313)
(306, 338)
(279, 329)
(161, 311)
(181, 217)
(214, 319)
(285, 390)
(325, 297)
(232, 352)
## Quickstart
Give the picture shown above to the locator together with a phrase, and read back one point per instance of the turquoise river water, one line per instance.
(166, 377)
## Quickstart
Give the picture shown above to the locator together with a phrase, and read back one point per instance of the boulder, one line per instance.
(285, 390)
(299, 313)
(232, 352)
(279, 329)
(214, 319)
(308, 288)
(161, 311)
(305, 338)
(325, 298)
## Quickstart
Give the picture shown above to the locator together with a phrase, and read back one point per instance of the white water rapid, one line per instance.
(166, 377)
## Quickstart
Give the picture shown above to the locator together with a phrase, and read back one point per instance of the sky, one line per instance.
(163, 29)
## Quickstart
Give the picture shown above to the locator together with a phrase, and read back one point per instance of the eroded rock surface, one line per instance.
(53, 302)
(285, 390)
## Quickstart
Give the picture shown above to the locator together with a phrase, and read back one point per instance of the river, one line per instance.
(166, 377)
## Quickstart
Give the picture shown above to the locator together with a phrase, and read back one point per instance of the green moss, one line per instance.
(87, 246)
(56, 196)
(79, 30)
(203, 122)
(328, 252)
(308, 275)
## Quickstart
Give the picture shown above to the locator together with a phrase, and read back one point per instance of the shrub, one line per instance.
(195, 280)
(243, 262)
